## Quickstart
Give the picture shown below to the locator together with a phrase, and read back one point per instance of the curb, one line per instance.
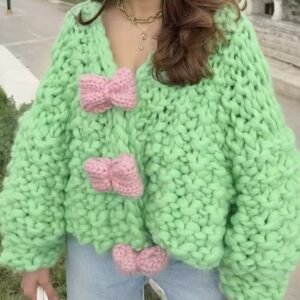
(15, 79)
(286, 79)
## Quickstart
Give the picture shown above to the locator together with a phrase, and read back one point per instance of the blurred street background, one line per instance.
(26, 37)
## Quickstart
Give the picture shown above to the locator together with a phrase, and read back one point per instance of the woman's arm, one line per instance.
(262, 240)
(31, 203)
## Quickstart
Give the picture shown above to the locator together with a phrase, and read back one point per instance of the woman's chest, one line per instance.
(161, 120)
(172, 137)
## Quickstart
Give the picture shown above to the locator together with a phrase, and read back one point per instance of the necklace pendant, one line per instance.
(141, 48)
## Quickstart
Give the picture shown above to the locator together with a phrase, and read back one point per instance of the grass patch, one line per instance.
(73, 1)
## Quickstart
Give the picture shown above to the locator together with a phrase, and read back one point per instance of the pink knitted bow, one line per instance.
(119, 174)
(149, 261)
(99, 93)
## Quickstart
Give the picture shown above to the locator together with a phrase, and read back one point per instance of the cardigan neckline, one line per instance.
(105, 46)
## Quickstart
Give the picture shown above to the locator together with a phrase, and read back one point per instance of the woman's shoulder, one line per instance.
(232, 21)
(242, 44)
(88, 9)
(70, 24)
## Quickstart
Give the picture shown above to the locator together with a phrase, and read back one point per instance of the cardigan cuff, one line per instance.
(21, 257)
(249, 287)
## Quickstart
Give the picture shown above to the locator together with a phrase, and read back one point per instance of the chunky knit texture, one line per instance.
(218, 163)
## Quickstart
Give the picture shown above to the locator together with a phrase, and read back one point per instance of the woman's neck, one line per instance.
(143, 8)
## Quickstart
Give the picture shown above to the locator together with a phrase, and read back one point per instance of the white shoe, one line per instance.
(41, 294)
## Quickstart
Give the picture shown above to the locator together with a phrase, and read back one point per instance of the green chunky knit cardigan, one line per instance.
(218, 162)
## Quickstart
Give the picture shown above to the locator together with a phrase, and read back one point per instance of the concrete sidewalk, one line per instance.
(286, 79)
(31, 30)
(26, 38)
(15, 79)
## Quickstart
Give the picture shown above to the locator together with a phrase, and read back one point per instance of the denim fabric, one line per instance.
(92, 276)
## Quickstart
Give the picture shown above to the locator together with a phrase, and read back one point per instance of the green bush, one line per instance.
(9, 115)
(8, 122)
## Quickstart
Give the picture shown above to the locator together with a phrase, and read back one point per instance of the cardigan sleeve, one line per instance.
(262, 238)
(31, 202)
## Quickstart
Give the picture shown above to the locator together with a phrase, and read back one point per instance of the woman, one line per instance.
(157, 148)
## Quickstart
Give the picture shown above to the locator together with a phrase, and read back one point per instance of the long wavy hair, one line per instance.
(187, 38)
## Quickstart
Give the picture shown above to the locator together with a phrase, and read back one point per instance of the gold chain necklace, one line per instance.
(134, 20)
(144, 36)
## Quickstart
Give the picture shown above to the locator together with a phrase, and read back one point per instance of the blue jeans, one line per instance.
(92, 276)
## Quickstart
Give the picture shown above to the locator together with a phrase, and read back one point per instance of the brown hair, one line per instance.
(187, 38)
